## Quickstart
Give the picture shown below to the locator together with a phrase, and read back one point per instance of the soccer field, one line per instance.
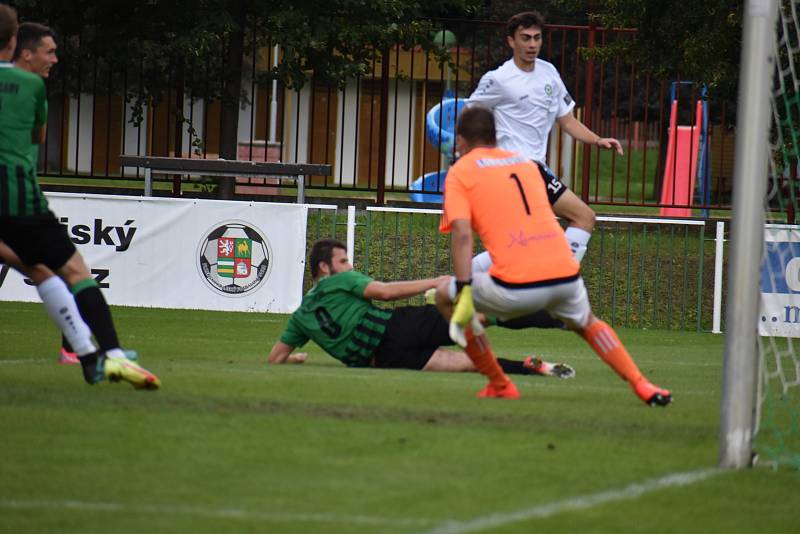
(232, 444)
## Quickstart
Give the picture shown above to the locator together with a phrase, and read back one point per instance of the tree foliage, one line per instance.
(697, 40)
(152, 47)
(334, 39)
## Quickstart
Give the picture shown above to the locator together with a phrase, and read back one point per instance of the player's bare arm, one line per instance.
(399, 290)
(39, 135)
(461, 243)
(579, 131)
(281, 353)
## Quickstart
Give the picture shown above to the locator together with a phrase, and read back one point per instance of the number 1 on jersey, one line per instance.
(521, 192)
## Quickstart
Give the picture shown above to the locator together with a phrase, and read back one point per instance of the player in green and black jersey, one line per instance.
(31, 230)
(337, 314)
(36, 53)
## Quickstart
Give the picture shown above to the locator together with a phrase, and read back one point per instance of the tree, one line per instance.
(697, 40)
(334, 40)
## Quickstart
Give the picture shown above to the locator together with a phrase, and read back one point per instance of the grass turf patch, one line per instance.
(233, 443)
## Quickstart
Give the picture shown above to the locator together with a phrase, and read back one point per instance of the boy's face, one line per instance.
(526, 44)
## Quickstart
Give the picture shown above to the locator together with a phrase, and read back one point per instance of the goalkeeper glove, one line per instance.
(464, 316)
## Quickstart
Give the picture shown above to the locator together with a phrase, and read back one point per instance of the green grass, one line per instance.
(609, 175)
(232, 444)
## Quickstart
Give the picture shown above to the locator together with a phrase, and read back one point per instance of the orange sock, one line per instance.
(607, 345)
(482, 357)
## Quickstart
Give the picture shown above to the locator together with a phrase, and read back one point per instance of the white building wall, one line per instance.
(565, 170)
(295, 132)
(247, 114)
(135, 136)
(79, 134)
(346, 143)
(400, 134)
(193, 110)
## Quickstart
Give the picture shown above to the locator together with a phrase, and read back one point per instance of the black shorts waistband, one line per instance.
(540, 283)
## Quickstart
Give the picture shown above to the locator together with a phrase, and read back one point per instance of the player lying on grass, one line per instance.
(337, 314)
(501, 196)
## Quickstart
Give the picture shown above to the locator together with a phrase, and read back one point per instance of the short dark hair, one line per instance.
(322, 251)
(8, 24)
(30, 35)
(526, 19)
(476, 125)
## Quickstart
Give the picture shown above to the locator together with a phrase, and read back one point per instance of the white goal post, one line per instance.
(740, 374)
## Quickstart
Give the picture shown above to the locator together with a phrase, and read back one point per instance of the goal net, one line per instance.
(777, 431)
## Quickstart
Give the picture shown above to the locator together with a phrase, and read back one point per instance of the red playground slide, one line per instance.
(680, 170)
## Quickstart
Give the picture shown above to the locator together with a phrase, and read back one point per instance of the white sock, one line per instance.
(117, 353)
(578, 240)
(61, 307)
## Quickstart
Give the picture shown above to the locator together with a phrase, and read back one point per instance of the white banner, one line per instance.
(780, 282)
(183, 253)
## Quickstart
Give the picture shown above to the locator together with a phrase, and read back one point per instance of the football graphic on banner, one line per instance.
(234, 258)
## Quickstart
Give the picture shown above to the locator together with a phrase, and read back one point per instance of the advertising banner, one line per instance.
(780, 282)
(183, 253)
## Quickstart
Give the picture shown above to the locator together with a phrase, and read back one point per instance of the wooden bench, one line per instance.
(222, 167)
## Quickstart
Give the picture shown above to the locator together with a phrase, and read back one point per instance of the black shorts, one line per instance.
(554, 187)
(38, 239)
(411, 337)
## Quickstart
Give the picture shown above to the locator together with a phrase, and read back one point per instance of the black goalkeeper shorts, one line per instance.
(411, 337)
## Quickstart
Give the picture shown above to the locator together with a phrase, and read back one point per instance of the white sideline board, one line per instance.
(183, 253)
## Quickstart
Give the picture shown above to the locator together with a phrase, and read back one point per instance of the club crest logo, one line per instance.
(234, 258)
(548, 89)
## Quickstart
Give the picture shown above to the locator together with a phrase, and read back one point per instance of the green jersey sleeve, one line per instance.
(293, 335)
(354, 282)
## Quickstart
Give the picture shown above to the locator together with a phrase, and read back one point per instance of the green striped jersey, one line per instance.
(337, 317)
(23, 109)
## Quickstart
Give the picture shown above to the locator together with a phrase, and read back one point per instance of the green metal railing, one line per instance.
(650, 273)
(641, 273)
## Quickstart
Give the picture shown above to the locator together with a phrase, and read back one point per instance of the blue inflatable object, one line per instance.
(430, 183)
(440, 123)
(440, 128)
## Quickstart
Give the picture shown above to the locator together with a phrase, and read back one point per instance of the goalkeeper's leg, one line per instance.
(573, 306)
(478, 350)
(607, 345)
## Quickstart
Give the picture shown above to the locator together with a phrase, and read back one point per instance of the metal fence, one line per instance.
(640, 272)
(372, 131)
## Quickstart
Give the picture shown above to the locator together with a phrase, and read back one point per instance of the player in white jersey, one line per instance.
(527, 96)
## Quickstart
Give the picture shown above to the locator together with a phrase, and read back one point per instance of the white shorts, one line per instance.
(567, 301)
(481, 263)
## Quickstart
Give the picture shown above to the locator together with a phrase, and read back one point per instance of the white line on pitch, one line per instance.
(218, 513)
(26, 360)
(581, 502)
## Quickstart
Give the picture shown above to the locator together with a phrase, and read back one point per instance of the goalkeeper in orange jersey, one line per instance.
(501, 196)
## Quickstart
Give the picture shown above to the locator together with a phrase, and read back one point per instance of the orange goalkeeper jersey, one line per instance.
(503, 195)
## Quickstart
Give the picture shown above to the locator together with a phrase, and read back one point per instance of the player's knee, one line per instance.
(74, 271)
(580, 326)
(481, 263)
(588, 219)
